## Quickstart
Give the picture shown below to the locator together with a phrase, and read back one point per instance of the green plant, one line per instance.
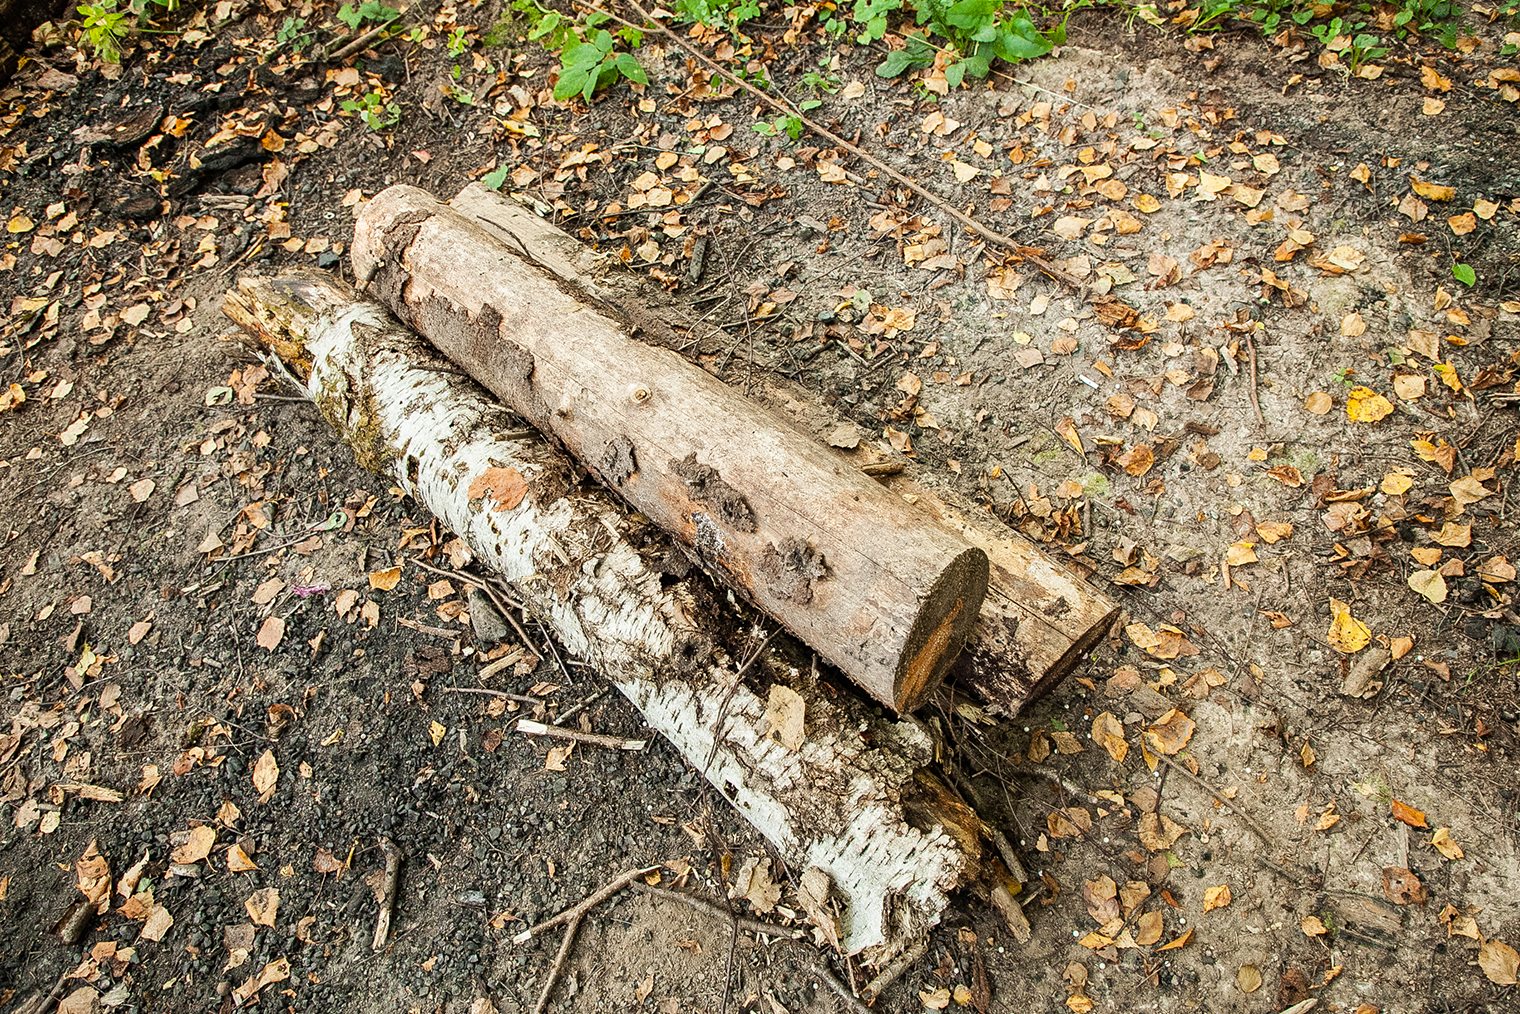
(792, 125)
(373, 108)
(592, 64)
(103, 29)
(292, 32)
(725, 15)
(458, 42)
(369, 10)
(979, 31)
(1465, 274)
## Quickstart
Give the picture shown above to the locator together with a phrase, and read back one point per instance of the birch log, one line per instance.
(847, 798)
(877, 588)
(1039, 619)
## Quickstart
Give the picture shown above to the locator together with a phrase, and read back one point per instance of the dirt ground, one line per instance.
(1275, 238)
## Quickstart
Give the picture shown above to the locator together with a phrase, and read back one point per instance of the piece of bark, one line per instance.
(836, 802)
(1039, 620)
(877, 587)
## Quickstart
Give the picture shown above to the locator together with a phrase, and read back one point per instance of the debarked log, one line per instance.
(847, 798)
(878, 589)
(1039, 620)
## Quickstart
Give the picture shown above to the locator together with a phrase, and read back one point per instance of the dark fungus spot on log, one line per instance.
(618, 460)
(705, 485)
(1060, 607)
(691, 651)
(790, 569)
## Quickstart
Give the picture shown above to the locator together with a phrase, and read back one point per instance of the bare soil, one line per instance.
(130, 614)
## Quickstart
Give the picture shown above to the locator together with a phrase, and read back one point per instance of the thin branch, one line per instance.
(607, 891)
(783, 106)
(558, 966)
(533, 728)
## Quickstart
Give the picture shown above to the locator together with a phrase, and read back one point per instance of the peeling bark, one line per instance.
(848, 800)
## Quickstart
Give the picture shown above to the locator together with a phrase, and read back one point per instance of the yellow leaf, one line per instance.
(1396, 484)
(1363, 404)
(1249, 978)
(1216, 897)
(1109, 732)
(1428, 583)
(1433, 107)
(385, 580)
(1499, 962)
(1444, 845)
(1146, 203)
(1313, 926)
(1348, 634)
(1434, 191)
(1241, 553)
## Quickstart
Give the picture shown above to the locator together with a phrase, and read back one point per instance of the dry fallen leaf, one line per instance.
(271, 632)
(266, 775)
(1402, 887)
(1409, 815)
(1443, 844)
(262, 905)
(1499, 962)
(1109, 732)
(1428, 583)
(197, 848)
(1312, 926)
(1248, 978)
(1216, 897)
(1170, 734)
(1347, 634)
(1363, 404)
(504, 485)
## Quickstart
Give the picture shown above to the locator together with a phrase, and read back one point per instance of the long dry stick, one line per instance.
(1234, 808)
(608, 890)
(783, 106)
(558, 966)
(1255, 402)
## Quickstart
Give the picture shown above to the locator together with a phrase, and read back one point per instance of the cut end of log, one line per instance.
(943, 626)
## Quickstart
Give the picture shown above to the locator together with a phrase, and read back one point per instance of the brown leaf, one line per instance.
(197, 848)
(505, 485)
(1402, 886)
(1499, 962)
(1158, 832)
(1070, 822)
(1170, 734)
(262, 905)
(1248, 978)
(1109, 732)
(326, 862)
(266, 774)
(1409, 815)
(270, 633)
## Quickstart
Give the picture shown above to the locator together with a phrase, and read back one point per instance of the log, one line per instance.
(874, 586)
(848, 799)
(1039, 620)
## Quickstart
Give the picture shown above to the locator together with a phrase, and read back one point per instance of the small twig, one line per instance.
(1250, 822)
(558, 966)
(393, 859)
(362, 42)
(783, 106)
(608, 890)
(423, 628)
(40, 1004)
(533, 728)
(764, 929)
(768, 929)
(894, 971)
(519, 698)
(1255, 403)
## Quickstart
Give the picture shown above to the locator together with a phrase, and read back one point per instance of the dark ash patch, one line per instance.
(618, 460)
(706, 485)
(791, 569)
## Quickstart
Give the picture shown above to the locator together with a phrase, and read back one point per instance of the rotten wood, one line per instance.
(1039, 619)
(393, 857)
(839, 800)
(875, 586)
